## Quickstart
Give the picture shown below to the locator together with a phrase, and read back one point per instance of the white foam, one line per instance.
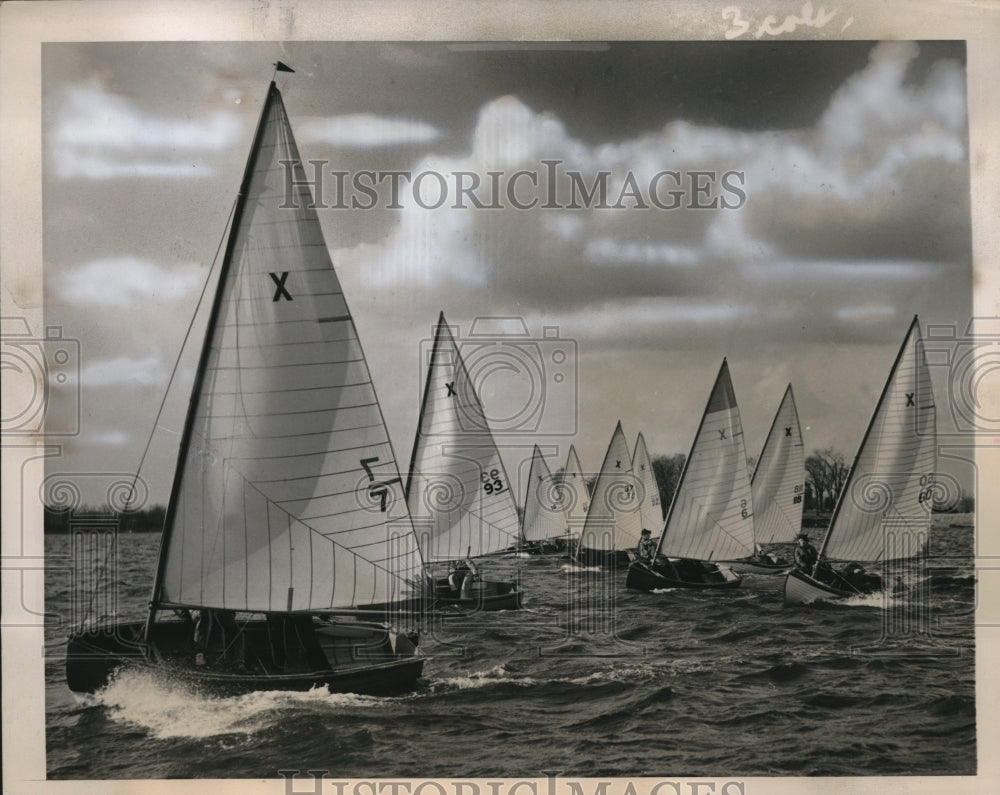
(169, 708)
(573, 568)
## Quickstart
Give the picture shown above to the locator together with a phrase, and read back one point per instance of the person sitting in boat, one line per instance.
(646, 551)
(806, 555)
(461, 575)
(860, 579)
(760, 556)
(218, 628)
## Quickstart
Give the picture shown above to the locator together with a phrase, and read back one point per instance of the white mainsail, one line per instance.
(575, 495)
(544, 516)
(884, 509)
(458, 492)
(711, 515)
(650, 512)
(287, 495)
(778, 482)
(613, 520)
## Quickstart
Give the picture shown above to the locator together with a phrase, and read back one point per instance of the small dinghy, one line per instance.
(711, 515)
(883, 512)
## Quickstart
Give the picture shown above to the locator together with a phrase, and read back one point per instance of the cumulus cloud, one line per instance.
(113, 437)
(124, 371)
(100, 135)
(126, 282)
(366, 130)
(855, 200)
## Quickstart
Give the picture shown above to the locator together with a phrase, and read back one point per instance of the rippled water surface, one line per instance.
(589, 679)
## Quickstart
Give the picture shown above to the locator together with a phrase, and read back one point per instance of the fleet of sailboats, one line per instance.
(288, 521)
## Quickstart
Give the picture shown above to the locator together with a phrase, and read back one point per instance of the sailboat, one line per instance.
(613, 524)
(711, 515)
(286, 512)
(650, 512)
(458, 492)
(575, 496)
(778, 487)
(544, 525)
(883, 512)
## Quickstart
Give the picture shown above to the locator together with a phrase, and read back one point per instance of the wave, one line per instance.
(782, 672)
(574, 568)
(167, 708)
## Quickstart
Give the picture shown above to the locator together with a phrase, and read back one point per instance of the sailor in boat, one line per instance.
(806, 555)
(760, 556)
(294, 645)
(646, 550)
(461, 575)
(217, 630)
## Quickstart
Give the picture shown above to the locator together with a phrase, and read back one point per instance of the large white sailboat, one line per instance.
(458, 492)
(883, 512)
(711, 515)
(287, 507)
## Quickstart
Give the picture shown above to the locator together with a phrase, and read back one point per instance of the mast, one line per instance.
(213, 319)
(423, 403)
(871, 424)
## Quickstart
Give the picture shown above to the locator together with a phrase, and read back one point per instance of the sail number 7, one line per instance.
(377, 490)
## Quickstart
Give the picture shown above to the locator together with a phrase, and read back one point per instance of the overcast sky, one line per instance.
(853, 216)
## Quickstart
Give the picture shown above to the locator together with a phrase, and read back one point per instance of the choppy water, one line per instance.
(589, 679)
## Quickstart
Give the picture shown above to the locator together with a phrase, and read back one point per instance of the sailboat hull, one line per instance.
(801, 588)
(754, 566)
(550, 546)
(680, 573)
(361, 657)
(603, 557)
(484, 595)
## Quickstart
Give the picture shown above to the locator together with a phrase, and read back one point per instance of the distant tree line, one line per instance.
(826, 474)
(147, 520)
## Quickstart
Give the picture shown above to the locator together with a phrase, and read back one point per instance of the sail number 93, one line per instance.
(492, 483)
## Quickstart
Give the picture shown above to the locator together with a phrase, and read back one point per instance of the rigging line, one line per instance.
(159, 412)
(184, 342)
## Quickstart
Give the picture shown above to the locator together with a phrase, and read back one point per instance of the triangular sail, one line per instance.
(613, 520)
(287, 496)
(884, 509)
(544, 516)
(650, 512)
(711, 515)
(575, 495)
(458, 492)
(778, 482)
